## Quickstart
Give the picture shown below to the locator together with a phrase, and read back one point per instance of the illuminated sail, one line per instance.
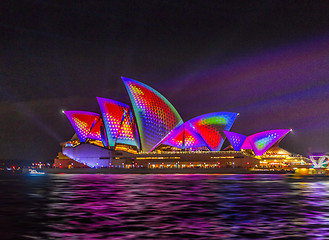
(183, 137)
(211, 126)
(262, 141)
(155, 115)
(235, 139)
(118, 122)
(85, 124)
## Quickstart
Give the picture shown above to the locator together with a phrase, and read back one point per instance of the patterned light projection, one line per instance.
(235, 139)
(183, 137)
(155, 115)
(175, 138)
(262, 141)
(246, 144)
(319, 161)
(159, 123)
(85, 124)
(118, 122)
(193, 139)
(211, 126)
(104, 137)
(95, 131)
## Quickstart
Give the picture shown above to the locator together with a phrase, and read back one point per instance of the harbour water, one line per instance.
(151, 206)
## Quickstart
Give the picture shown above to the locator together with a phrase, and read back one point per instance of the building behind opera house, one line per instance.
(152, 134)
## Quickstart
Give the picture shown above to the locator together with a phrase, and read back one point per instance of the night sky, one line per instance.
(267, 60)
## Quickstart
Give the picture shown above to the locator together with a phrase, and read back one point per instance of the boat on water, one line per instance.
(35, 172)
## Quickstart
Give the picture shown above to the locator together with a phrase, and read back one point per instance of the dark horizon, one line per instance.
(266, 60)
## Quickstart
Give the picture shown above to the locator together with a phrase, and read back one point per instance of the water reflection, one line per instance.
(163, 207)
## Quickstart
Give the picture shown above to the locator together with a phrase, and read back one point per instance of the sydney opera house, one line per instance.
(151, 134)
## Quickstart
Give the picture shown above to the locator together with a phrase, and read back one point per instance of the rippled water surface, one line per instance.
(162, 207)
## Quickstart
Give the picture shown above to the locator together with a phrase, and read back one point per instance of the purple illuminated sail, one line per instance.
(235, 139)
(262, 141)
